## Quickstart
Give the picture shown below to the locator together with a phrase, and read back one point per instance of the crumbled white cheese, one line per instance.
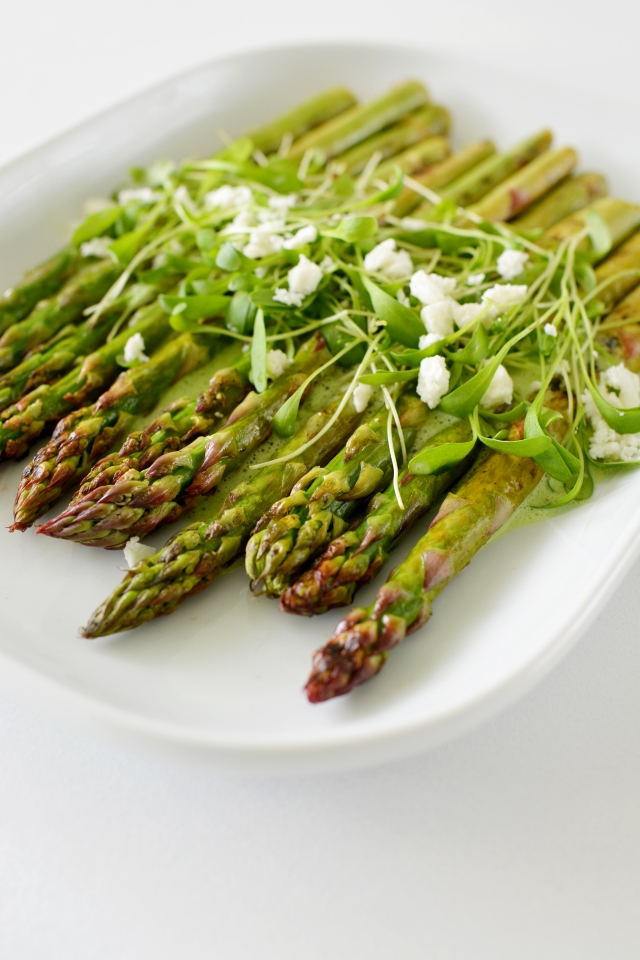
(243, 222)
(502, 297)
(474, 279)
(621, 388)
(511, 263)
(534, 386)
(301, 238)
(304, 277)
(134, 349)
(430, 288)
(264, 240)
(98, 247)
(283, 202)
(260, 272)
(327, 264)
(137, 194)
(8, 292)
(428, 339)
(550, 330)
(361, 396)
(277, 363)
(391, 263)
(464, 313)
(135, 552)
(500, 389)
(226, 197)
(288, 297)
(433, 380)
(402, 298)
(438, 317)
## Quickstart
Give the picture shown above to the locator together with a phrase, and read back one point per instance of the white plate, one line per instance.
(225, 672)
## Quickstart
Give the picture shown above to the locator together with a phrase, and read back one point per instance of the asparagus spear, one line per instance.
(473, 511)
(199, 553)
(25, 420)
(623, 342)
(428, 122)
(416, 159)
(443, 173)
(622, 269)
(68, 346)
(84, 435)
(317, 111)
(522, 188)
(43, 281)
(358, 123)
(142, 500)
(567, 198)
(296, 528)
(173, 428)
(355, 558)
(83, 290)
(621, 217)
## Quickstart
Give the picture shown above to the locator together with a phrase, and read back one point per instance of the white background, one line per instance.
(520, 840)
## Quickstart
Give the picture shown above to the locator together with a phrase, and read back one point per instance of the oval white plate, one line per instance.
(225, 672)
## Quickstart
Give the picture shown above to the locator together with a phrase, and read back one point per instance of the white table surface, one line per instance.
(520, 840)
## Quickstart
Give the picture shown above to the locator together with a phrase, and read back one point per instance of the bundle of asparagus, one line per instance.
(301, 228)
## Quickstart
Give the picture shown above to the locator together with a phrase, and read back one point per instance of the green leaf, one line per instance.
(232, 260)
(388, 376)
(463, 401)
(437, 459)
(508, 417)
(206, 239)
(599, 232)
(410, 358)
(585, 275)
(96, 224)
(352, 229)
(572, 462)
(531, 447)
(622, 421)
(284, 422)
(241, 313)
(476, 350)
(126, 246)
(237, 152)
(393, 190)
(402, 323)
(259, 354)
(197, 307)
(280, 175)
(551, 461)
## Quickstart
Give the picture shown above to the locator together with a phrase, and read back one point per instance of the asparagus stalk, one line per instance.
(83, 290)
(620, 334)
(620, 271)
(199, 553)
(358, 123)
(70, 344)
(520, 190)
(84, 435)
(479, 504)
(621, 217)
(320, 505)
(443, 173)
(423, 124)
(43, 281)
(24, 421)
(143, 500)
(176, 426)
(567, 198)
(355, 558)
(317, 111)
(416, 159)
